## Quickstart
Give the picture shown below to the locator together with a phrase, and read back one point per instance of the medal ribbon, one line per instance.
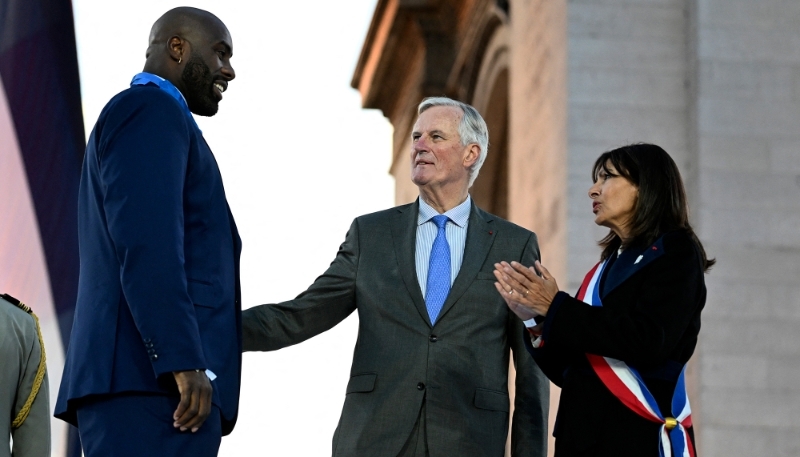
(144, 78)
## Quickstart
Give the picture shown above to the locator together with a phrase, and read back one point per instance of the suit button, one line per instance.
(433, 339)
(420, 386)
(151, 351)
(154, 357)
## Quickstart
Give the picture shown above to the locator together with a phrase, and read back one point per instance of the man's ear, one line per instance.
(178, 49)
(472, 155)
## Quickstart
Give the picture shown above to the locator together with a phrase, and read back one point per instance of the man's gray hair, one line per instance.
(471, 129)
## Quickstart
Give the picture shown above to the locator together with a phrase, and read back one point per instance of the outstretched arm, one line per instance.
(329, 300)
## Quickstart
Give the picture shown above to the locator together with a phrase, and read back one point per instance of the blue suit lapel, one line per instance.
(623, 271)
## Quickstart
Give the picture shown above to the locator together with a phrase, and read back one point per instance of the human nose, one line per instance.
(228, 71)
(419, 145)
(594, 191)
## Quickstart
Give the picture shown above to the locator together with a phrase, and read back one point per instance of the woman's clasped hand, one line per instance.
(528, 291)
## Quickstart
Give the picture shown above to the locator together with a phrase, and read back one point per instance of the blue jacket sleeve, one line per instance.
(144, 154)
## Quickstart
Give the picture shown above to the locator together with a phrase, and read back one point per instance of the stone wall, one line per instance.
(714, 82)
(717, 84)
(538, 160)
(627, 83)
(748, 125)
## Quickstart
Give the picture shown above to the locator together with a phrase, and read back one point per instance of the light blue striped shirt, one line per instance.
(455, 231)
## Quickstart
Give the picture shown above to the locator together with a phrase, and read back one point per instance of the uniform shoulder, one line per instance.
(13, 315)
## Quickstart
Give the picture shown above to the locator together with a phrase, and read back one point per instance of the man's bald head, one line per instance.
(183, 21)
(191, 48)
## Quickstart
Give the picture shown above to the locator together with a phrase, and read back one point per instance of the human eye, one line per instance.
(415, 136)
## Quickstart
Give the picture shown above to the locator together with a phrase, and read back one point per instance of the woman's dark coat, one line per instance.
(650, 319)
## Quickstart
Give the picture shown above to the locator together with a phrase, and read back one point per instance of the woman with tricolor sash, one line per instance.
(619, 348)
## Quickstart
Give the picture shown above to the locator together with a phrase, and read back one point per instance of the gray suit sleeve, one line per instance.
(329, 300)
(532, 397)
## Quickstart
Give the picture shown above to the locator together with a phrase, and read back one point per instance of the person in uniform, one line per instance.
(24, 399)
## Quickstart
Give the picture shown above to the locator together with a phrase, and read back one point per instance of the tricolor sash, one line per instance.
(627, 385)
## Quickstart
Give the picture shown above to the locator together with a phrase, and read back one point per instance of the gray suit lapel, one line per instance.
(480, 236)
(404, 234)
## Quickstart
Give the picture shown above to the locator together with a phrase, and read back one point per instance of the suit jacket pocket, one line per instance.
(364, 382)
(492, 400)
(202, 293)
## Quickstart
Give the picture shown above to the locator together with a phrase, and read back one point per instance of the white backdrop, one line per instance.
(300, 159)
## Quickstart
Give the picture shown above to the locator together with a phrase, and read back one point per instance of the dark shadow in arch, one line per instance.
(490, 190)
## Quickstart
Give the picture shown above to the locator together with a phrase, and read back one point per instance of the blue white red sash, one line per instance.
(627, 385)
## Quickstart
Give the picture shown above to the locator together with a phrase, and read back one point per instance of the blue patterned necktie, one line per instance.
(438, 284)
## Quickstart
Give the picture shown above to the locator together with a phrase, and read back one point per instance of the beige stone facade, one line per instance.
(715, 82)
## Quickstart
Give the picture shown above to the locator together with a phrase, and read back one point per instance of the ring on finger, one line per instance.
(525, 294)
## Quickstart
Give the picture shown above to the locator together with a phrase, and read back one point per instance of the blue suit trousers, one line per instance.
(140, 424)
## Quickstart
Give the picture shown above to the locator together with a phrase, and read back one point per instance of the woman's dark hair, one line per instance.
(661, 206)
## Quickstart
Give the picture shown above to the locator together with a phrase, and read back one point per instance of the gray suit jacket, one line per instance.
(458, 368)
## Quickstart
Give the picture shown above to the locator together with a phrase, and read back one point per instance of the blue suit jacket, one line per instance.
(159, 278)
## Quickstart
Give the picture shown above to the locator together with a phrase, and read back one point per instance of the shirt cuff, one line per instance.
(534, 333)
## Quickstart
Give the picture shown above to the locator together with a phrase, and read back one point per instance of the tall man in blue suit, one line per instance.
(154, 365)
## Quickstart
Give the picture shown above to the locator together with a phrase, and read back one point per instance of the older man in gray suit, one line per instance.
(430, 368)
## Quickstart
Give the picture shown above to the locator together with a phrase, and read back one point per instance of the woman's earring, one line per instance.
(179, 59)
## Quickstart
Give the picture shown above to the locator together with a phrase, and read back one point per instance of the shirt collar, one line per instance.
(459, 215)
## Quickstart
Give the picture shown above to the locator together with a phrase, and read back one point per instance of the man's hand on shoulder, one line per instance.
(195, 404)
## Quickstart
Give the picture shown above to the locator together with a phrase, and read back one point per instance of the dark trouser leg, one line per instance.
(136, 425)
